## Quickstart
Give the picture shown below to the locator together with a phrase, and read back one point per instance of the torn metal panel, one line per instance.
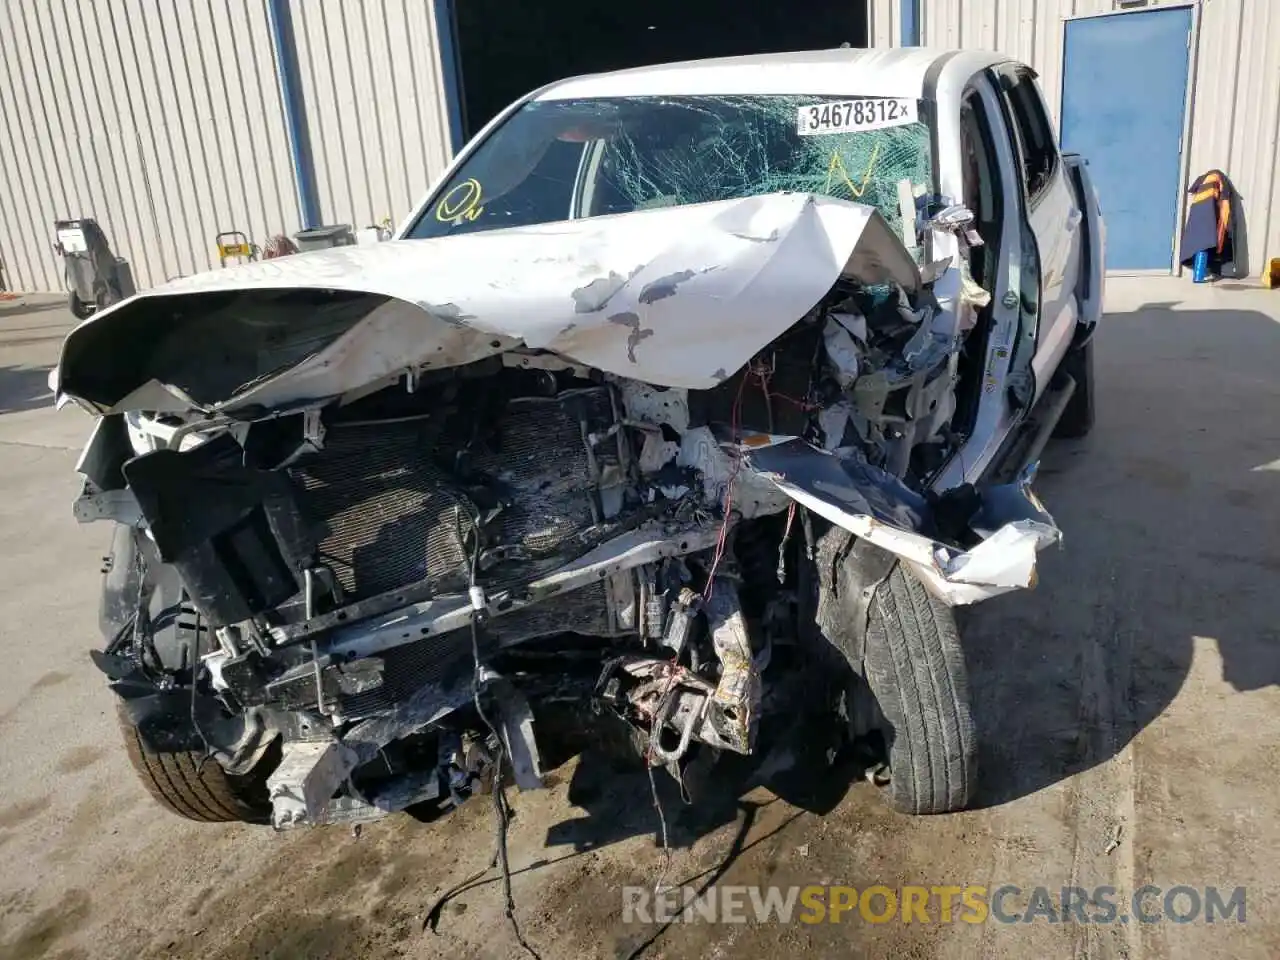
(673, 297)
(1007, 503)
(849, 481)
(310, 772)
(878, 507)
(654, 405)
(655, 452)
(734, 710)
(701, 452)
(105, 453)
(841, 337)
(429, 704)
(514, 723)
(118, 505)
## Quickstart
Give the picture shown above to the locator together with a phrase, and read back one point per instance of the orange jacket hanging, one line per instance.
(1212, 217)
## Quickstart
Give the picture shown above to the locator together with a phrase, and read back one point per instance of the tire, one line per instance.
(1077, 418)
(915, 668)
(79, 309)
(196, 787)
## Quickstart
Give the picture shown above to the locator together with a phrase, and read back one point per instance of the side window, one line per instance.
(1037, 149)
(982, 191)
(981, 175)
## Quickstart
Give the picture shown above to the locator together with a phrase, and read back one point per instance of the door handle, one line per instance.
(1073, 220)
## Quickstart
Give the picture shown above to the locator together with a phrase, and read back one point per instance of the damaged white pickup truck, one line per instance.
(692, 398)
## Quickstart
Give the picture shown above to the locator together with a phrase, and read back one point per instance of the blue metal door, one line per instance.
(1124, 88)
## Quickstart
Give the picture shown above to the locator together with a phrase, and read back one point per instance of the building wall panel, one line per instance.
(164, 120)
(884, 28)
(375, 105)
(1237, 112)
(160, 118)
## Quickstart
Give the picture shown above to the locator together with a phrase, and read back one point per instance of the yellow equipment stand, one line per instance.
(234, 245)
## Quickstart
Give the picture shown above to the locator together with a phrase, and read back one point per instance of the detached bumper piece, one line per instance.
(965, 545)
(310, 773)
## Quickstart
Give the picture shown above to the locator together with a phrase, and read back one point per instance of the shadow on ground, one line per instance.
(622, 801)
(24, 388)
(1169, 535)
(16, 307)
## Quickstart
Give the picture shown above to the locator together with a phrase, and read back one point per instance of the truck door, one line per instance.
(1051, 213)
(985, 172)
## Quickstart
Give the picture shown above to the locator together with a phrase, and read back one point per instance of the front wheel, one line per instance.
(915, 668)
(195, 786)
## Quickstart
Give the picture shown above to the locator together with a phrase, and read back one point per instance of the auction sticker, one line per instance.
(843, 116)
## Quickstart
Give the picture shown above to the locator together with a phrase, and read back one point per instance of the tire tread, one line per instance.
(915, 668)
(191, 785)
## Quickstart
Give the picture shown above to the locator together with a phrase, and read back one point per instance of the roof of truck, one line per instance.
(897, 72)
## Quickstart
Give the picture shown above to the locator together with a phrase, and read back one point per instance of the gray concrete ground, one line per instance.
(1134, 691)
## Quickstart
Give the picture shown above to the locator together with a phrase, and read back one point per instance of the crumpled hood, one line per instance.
(678, 297)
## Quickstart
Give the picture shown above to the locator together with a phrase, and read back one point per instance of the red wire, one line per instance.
(803, 405)
(723, 539)
(762, 375)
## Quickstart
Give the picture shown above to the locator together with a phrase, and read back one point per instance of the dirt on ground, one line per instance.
(1128, 712)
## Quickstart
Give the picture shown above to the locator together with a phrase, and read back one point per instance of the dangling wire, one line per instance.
(502, 813)
(662, 822)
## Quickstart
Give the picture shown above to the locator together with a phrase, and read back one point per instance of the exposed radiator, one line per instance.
(541, 457)
(407, 668)
(388, 515)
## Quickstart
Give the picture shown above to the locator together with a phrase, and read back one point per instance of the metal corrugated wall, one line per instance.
(164, 120)
(884, 28)
(161, 119)
(1235, 119)
(375, 105)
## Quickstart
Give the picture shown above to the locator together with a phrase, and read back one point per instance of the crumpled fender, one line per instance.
(1008, 522)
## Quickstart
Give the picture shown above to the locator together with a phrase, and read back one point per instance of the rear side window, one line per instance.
(1037, 150)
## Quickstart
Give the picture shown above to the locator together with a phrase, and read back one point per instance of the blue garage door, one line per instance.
(1124, 87)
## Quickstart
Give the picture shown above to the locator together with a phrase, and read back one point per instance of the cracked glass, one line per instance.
(565, 159)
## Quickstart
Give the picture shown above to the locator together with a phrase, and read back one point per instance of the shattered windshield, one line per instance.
(565, 159)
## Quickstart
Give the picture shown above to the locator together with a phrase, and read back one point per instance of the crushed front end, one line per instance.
(374, 598)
